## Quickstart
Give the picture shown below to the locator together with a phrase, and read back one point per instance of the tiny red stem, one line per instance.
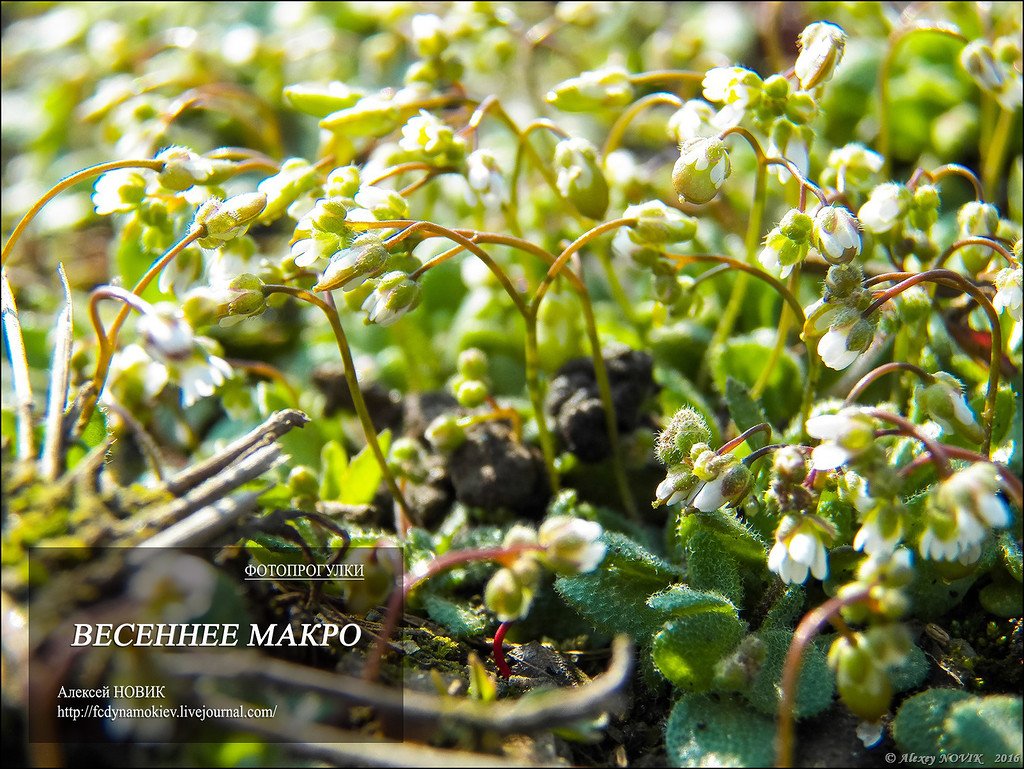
(499, 651)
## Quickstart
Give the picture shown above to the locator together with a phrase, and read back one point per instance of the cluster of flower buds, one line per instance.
(838, 317)
(944, 402)
(788, 492)
(580, 179)
(961, 511)
(697, 475)
(852, 169)
(428, 139)
(996, 69)
(658, 226)
(563, 544)
(438, 65)
(240, 298)
(225, 220)
(862, 661)
(604, 88)
(470, 386)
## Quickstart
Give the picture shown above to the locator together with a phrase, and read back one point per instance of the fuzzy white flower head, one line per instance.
(837, 233)
(571, 545)
(694, 120)
(133, 370)
(799, 548)
(1008, 292)
(945, 402)
(821, 49)
(961, 511)
(884, 209)
(881, 527)
(395, 295)
(119, 192)
(167, 335)
(732, 85)
(844, 436)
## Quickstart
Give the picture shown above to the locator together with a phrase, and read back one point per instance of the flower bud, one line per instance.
(427, 136)
(428, 35)
(977, 219)
(591, 91)
(395, 295)
(821, 49)
(687, 427)
(349, 268)
(789, 464)
(702, 168)
(842, 280)
(370, 116)
(978, 61)
(303, 481)
(225, 220)
(945, 403)
(787, 244)
(571, 545)
(694, 120)
(295, 178)
(472, 364)
(471, 393)
(321, 100)
(924, 207)
(801, 108)
(837, 234)
(483, 174)
(885, 208)
(852, 167)
(860, 679)
(667, 289)
(166, 335)
(330, 215)
(580, 179)
(844, 436)
(342, 182)
(1008, 292)
(658, 224)
(119, 192)
(732, 85)
(445, 434)
(506, 596)
(183, 169)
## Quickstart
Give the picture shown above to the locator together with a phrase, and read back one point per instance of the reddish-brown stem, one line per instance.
(949, 169)
(499, 651)
(939, 455)
(976, 241)
(764, 427)
(877, 373)
(1011, 482)
(806, 631)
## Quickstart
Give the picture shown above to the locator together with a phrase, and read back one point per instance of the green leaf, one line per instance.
(785, 610)
(816, 686)
(460, 622)
(990, 726)
(709, 566)
(682, 601)
(614, 596)
(1010, 549)
(333, 464)
(742, 358)
(687, 649)
(745, 411)
(919, 724)
(363, 474)
(911, 672)
(704, 731)
(734, 535)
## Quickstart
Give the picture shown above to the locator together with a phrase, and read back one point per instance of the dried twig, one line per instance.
(205, 524)
(52, 459)
(19, 371)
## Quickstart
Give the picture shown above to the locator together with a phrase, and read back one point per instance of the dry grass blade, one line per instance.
(52, 459)
(19, 371)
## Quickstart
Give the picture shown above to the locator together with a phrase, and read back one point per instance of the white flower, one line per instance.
(1008, 292)
(679, 486)
(844, 436)
(821, 49)
(799, 548)
(837, 233)
(881, 527)
(119, 192)
(732, 85)
(833, 349)
(166, 334)
(395, 295)
(133, 370)
(571, 544)
(694, 120)
(960, 513)
(200, 376)
(884, 209)
(485, 180)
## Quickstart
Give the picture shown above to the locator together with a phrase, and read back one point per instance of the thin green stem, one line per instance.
(785, 320)
(533, 386)
(666, 76)
(620, 125)
(67, 182)
(369, 431)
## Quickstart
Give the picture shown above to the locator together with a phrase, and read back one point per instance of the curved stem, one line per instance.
(1011, 481)
(618, 128)
(809, 627)
(533, 386)
(976, 241)
(65, 183)
(764, 427)
(908, 428)
(401, 168)
(666, 76)
(884, 73)
(499, 652)
(878, 373)
(369, 431)
(955, 169)
(946, 277)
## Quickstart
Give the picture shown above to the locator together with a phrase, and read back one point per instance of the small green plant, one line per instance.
(722, 358)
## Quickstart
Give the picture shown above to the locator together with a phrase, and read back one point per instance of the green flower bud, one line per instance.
(790, 465)
(329, 215)
(227, 219)
(924, 207)
(321, 100)
(945, 403)
(472, 364)
(471, 393)
(395, 295)
(801, 108)
(821, 49)
(862, 684)
(351, 267)
(295, 178)
(428, 35)
(370, 116)
(303, 481)
(506, 597)
(687, 428)
(445, 434)
(183, 169)
(667, 289)
(571, 545)
(342, 182)
(658, 224)
(702, 168)
(580, 179)
(915, 305)
(860, 336)
(977, 219)
(842, 280)
(591, 91)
